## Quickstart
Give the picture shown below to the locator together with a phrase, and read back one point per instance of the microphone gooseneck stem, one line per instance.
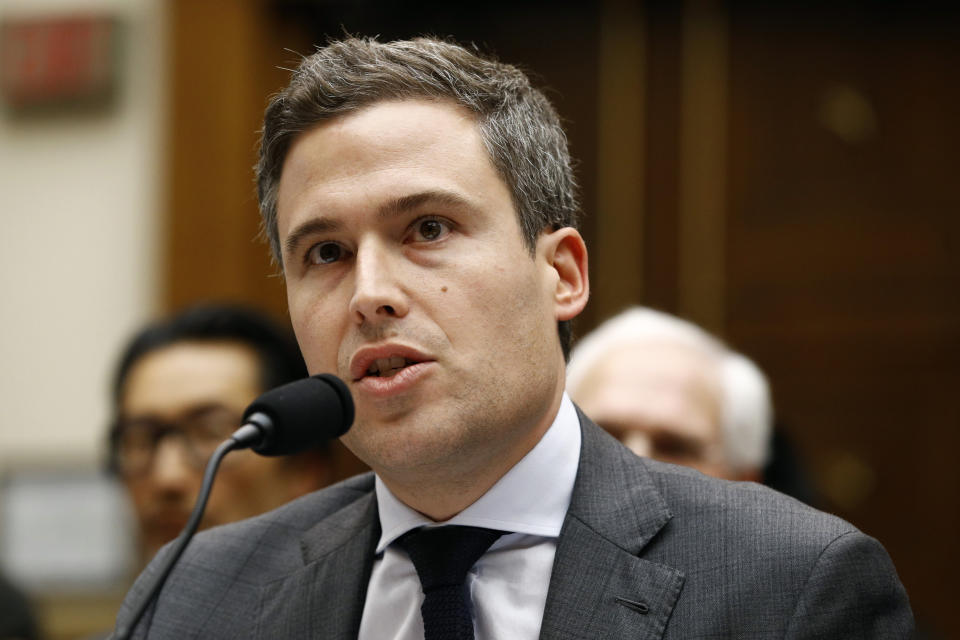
(124, 633)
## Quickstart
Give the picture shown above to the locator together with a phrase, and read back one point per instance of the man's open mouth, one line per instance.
(387, 367)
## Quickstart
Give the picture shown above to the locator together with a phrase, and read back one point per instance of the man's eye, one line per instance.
(325, 253)
(429, 230)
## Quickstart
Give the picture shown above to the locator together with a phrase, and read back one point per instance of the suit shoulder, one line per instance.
(823, 577)
(289, 521)
(321, 503)
(698, 506)
(216, 583)
(274, 536)
(752, 562)
(744, 508)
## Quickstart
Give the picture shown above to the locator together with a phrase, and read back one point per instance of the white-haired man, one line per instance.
(671, 391)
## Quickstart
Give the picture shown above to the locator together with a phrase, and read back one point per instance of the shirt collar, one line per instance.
(532, 497)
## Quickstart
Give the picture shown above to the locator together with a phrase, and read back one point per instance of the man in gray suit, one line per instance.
(420, 201)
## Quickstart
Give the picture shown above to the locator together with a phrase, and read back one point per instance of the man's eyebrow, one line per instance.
(413, 201)
(310, 227)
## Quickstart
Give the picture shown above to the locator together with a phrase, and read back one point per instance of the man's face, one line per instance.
(407, 277)
(200, 387)
(662, 400)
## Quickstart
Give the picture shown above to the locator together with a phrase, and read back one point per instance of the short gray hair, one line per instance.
(746, 406)
(519, 127)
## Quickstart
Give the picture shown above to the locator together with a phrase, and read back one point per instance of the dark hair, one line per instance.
(519, 127)
(276, 348)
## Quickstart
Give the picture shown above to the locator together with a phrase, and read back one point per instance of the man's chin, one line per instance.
(414, 443)
(386, 419)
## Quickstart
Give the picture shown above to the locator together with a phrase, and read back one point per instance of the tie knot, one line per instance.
(442, 556)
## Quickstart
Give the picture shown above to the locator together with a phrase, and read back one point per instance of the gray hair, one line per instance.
(746, 406)
(519, 127)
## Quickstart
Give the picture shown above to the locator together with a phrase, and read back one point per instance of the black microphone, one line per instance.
(289, 419)
(297, 416)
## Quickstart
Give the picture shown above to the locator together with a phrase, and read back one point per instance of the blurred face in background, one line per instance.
(662, 400)
(178, 403)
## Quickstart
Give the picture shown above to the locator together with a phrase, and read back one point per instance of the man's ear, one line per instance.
(566, 256)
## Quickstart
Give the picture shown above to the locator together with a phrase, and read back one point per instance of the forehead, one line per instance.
(659, 382)
(659, 363)
(173, 379)
(387, 149)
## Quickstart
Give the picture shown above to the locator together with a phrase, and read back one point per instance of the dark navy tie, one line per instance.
(442, 557)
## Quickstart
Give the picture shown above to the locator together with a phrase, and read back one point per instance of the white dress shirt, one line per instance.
(508, 584)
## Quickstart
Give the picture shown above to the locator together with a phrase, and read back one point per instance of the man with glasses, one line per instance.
(180, 389)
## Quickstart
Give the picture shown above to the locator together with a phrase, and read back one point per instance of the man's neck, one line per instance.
(443, 491)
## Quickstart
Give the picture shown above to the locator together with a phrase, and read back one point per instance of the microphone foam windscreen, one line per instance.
(305, 413)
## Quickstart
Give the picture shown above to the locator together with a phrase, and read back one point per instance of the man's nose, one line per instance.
(378, 289)
(171, 470)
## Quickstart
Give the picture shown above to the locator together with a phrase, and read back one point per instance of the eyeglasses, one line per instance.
(135, 440)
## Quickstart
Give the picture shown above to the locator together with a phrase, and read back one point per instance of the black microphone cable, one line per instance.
(282, 421)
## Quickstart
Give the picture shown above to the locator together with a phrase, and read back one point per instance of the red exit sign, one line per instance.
(58, 61)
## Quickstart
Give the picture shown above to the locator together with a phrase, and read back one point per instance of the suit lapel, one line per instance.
(599, 587)
(325, 598)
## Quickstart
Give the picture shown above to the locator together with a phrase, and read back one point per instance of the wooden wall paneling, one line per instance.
(226, 59)
(616, 255)
(701, 200)
(661, 166)
(842, 264)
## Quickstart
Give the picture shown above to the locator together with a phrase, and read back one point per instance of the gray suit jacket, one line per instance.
(647, 550)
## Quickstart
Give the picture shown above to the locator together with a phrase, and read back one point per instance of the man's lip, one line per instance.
(366, 356)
